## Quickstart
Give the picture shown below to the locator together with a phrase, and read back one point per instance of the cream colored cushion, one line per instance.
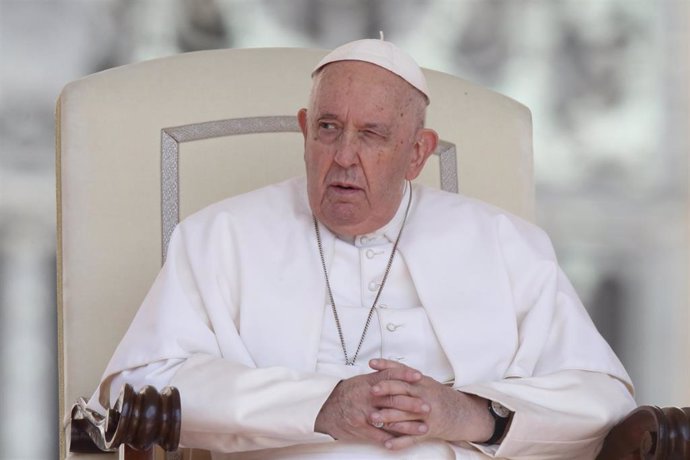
(109, 172)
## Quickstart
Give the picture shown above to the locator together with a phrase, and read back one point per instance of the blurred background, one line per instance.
(606, 80)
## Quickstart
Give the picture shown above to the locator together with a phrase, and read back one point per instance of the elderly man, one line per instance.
(353, 315)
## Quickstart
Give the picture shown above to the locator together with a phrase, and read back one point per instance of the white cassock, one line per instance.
(238, 320)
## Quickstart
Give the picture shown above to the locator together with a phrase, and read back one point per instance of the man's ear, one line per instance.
(302, 120)
(426, 142)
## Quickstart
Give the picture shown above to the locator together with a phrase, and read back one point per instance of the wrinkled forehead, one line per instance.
(362, 82)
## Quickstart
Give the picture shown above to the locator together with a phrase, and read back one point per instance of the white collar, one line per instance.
(389, 232)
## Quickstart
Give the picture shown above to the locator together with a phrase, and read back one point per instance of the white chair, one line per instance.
(143, 145)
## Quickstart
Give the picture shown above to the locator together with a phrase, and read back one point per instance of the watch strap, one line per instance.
(500, 424)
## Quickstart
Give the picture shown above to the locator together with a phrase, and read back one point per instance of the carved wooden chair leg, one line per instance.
(139, 421)
(650, 433)
(133, 454)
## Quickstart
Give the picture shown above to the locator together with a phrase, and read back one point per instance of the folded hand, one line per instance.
(444, 413)
(398, 406)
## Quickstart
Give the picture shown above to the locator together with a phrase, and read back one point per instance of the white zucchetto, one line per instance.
(383, 54)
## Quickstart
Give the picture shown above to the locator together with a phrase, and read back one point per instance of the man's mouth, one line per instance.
(340, 186)
(344, 190)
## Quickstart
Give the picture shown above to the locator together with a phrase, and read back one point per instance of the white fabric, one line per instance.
(383, 54)
(241, 299)
(349, 451)
(400, 329)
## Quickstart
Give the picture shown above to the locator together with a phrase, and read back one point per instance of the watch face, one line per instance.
(499, 409)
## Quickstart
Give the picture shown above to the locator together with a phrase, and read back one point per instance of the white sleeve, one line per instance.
(229, 408)
(229, 404)
(565, 385)
(563, 415)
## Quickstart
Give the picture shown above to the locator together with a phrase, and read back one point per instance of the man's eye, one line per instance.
(373, 135)
(327, 126)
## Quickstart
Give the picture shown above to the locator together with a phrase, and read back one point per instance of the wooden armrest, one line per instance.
(650, 433)
(138, 420)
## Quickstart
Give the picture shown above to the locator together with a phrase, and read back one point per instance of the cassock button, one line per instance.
(392, 327)
(373, 286)
(370, 253)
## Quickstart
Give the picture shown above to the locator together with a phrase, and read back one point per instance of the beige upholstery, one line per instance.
(109, 172)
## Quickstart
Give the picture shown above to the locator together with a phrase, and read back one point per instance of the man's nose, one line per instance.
(347, 152)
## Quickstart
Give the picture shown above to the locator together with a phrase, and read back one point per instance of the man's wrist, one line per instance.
(482, 424)
(321, 424)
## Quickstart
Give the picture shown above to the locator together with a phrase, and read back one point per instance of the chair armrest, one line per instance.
(650, 433)
(138, 420)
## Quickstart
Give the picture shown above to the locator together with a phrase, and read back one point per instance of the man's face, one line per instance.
(362, 139)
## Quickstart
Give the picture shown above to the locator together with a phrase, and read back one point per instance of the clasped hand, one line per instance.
(411, 406)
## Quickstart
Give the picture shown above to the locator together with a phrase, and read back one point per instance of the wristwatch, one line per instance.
(501, 415)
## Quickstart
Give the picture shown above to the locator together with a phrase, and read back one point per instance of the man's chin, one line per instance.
(344, 220)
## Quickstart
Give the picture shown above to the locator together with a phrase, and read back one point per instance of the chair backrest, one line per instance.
(142, 145)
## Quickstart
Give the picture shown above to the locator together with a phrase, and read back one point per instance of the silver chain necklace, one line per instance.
(349, 362)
